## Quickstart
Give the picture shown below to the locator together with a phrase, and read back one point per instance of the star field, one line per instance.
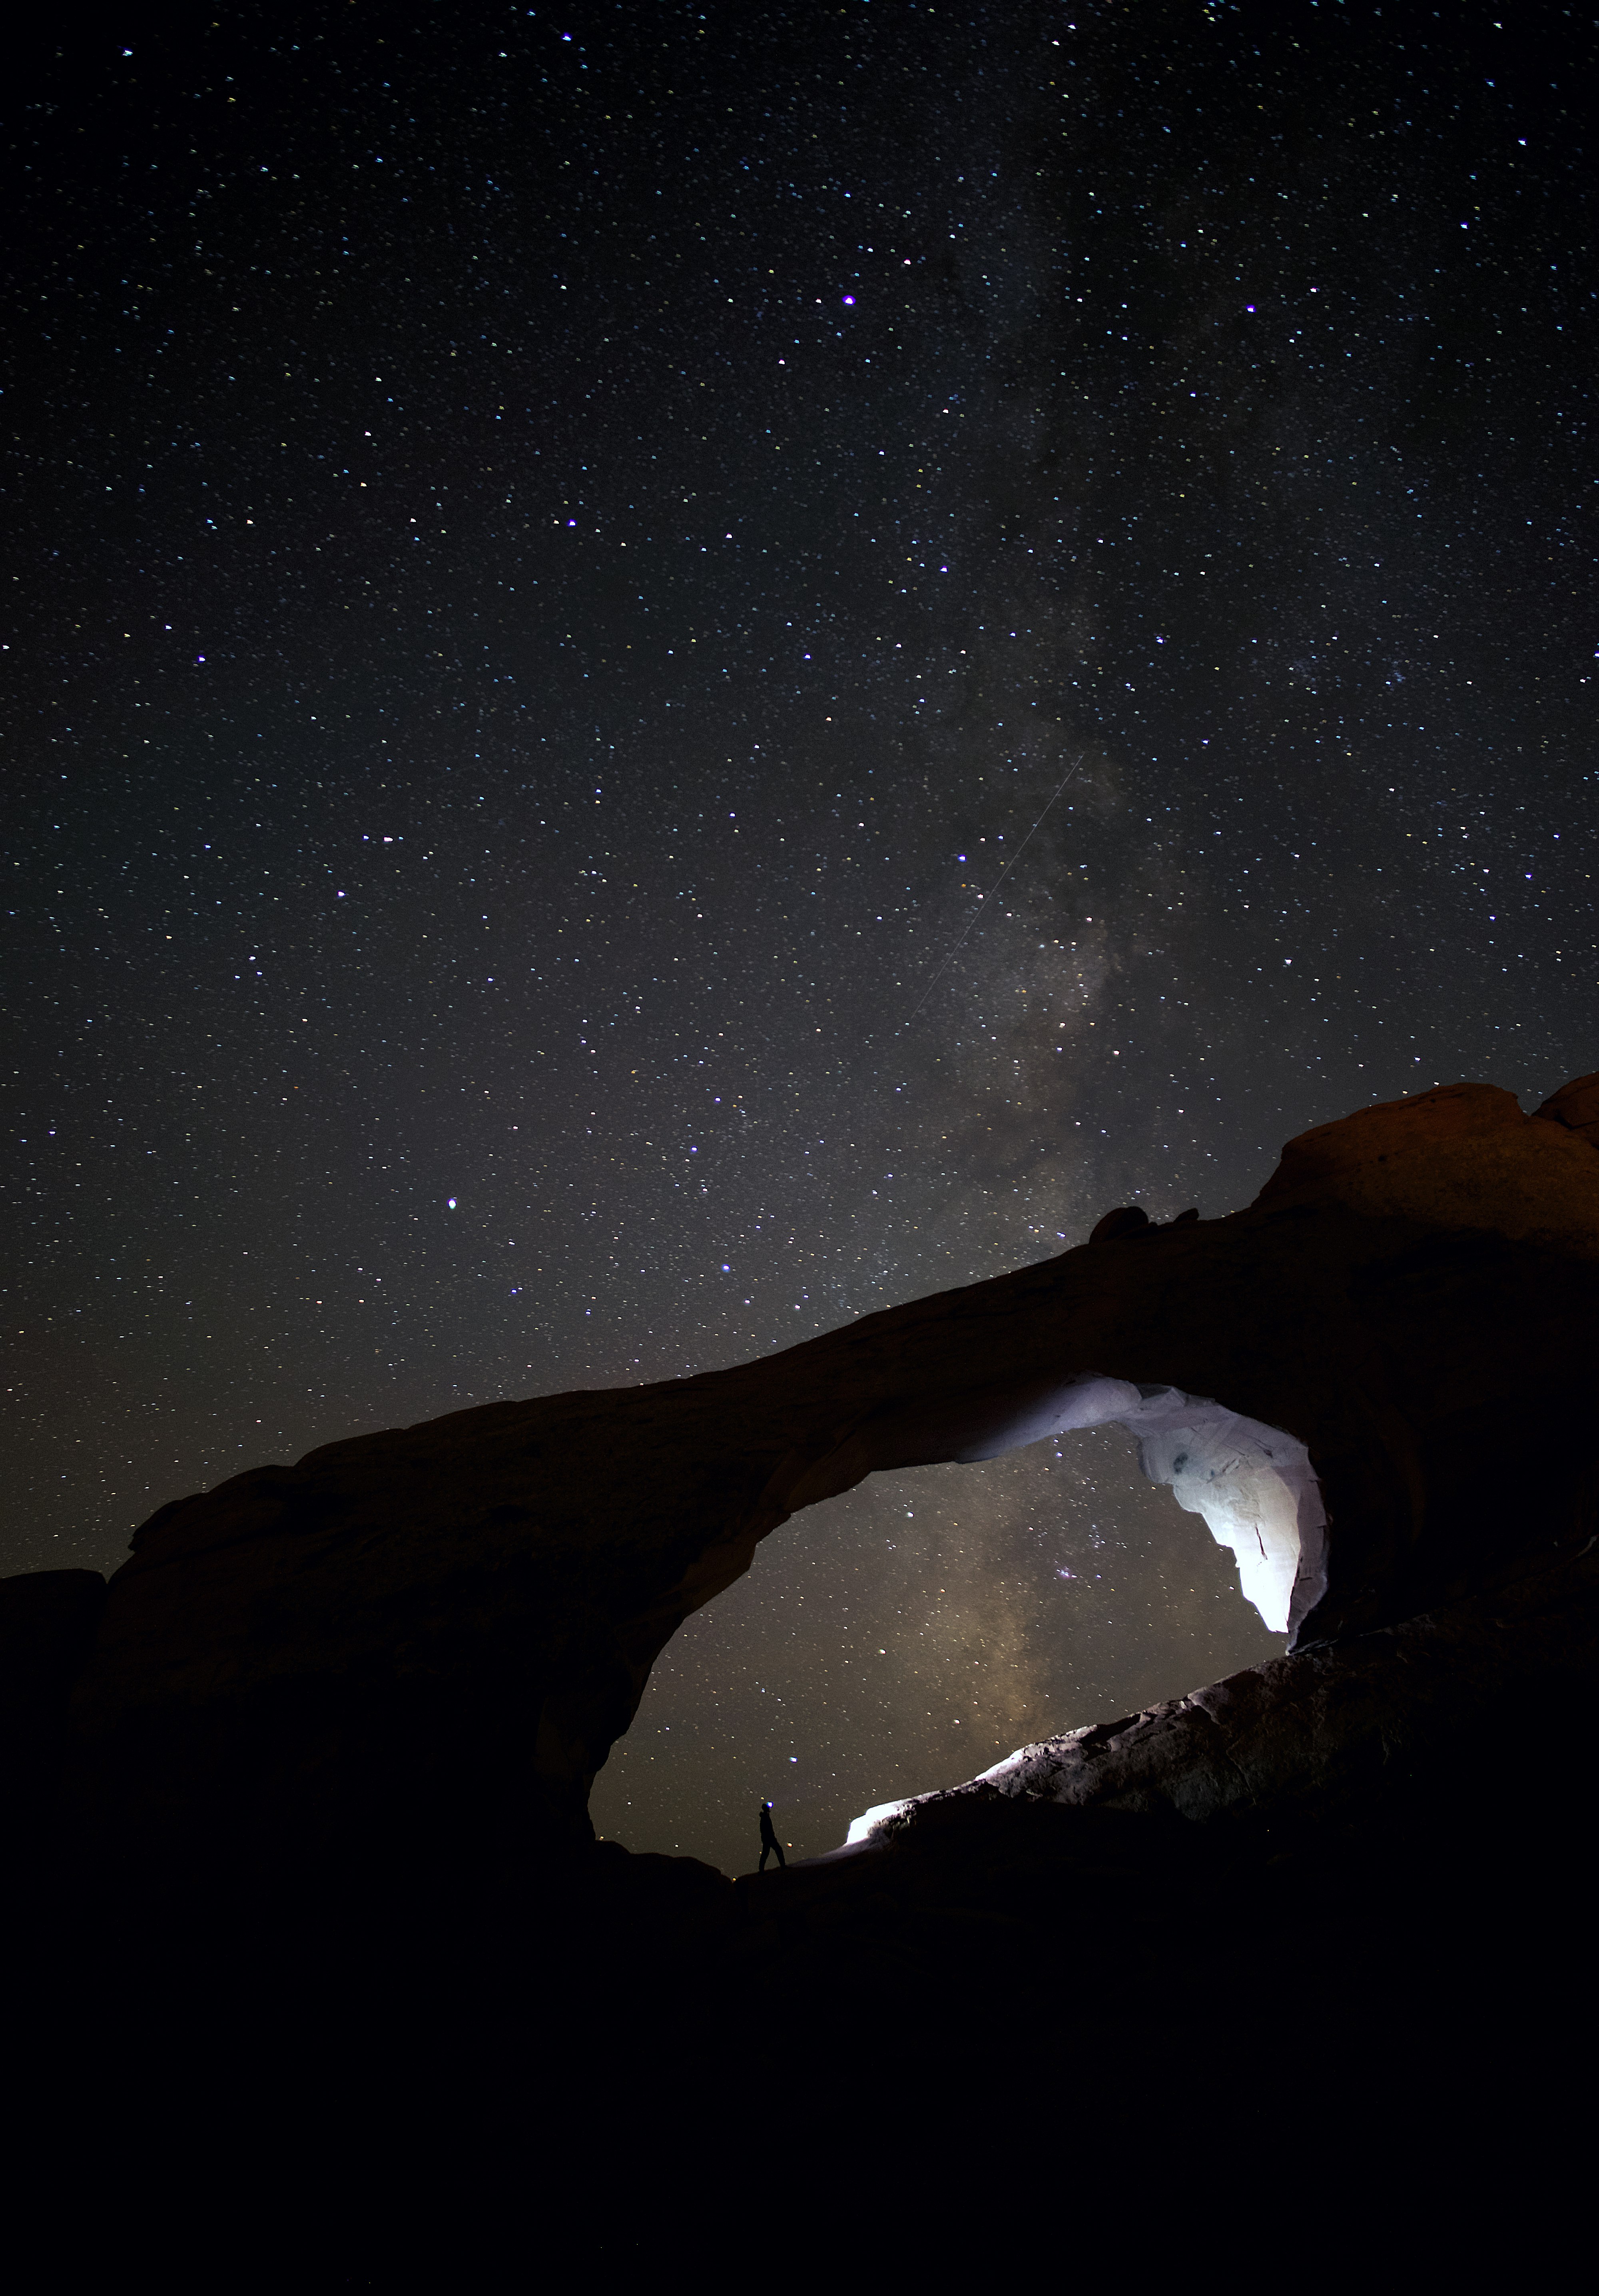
(674, 673)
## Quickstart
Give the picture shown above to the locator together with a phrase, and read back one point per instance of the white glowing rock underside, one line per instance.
(1253, 1485)
(1256, 1490)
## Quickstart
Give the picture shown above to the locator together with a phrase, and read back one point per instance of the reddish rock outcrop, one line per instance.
(1576, 1105)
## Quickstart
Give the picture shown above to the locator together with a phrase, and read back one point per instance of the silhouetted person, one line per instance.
(769, 1840)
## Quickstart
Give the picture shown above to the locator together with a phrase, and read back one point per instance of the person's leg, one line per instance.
(766, 1851)
(782, 1860)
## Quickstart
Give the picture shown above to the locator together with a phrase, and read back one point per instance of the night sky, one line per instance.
(674, 673)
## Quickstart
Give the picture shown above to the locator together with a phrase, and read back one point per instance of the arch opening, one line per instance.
(912, 1628)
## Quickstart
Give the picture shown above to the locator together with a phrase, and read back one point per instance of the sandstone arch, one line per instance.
(447, 1625)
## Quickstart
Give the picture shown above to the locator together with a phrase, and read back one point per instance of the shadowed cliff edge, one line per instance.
(323, 1686)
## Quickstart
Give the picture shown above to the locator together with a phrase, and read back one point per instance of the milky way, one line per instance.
(556, 563)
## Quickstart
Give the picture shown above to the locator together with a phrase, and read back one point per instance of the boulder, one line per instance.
(1576, 1106)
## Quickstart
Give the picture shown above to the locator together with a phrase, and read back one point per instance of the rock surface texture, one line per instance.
(447, 1625)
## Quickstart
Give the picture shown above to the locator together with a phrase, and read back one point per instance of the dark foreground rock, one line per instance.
(322, 1774)
(48, 1622)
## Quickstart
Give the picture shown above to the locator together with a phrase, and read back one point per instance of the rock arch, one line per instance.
(433, 1626)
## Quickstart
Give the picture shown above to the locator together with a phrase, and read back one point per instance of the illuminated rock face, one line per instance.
(1363, 1381)
(1254, 1486)
(1256, 1491)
